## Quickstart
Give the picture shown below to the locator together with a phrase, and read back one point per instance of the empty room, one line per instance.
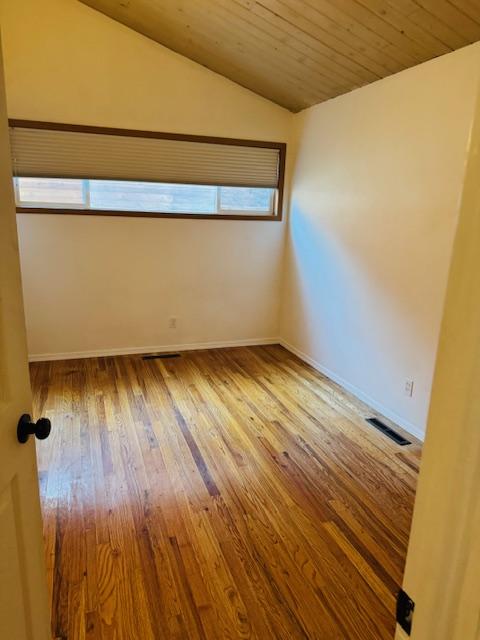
(239, 319)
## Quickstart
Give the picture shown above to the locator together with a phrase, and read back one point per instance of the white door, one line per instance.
(23, 592)
(442, 574)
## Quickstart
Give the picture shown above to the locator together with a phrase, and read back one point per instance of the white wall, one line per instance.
(112, 283)
(374, 206)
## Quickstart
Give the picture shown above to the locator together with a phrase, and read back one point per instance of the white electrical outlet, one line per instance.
(409, 388)
(172, 323)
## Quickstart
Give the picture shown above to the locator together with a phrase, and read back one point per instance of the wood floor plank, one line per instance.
(231, 493)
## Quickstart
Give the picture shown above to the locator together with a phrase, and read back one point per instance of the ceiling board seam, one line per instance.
(422, 12)
(405, 38)
(329, 79)
(344, 56)
(271, 38)
(462, 11)
(376, 47)
(348, 56)
(442, 20)
(324, 44)
(462, 8)
(411, 25)
(314, 48)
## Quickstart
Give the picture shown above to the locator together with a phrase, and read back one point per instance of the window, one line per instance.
(76, 169)
(150, 197)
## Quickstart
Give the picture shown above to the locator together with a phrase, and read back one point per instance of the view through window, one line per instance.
(152, 197)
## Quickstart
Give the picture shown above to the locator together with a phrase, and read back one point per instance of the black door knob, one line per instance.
(40, 429)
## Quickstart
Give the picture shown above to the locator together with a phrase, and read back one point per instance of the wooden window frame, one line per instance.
(138, 133)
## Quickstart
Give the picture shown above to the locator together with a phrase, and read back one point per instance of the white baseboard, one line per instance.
(408, 426)
(124, 351)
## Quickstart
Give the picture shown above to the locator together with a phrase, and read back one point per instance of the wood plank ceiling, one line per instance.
(301, 52)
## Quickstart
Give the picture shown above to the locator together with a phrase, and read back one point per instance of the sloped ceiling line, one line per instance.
(301, 52)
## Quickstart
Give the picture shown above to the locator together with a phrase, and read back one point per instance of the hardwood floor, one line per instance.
(232, 493)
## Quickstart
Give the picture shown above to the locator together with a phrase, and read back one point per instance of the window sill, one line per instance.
(149, 214)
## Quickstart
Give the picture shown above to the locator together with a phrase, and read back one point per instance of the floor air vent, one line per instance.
(162, 356)
(393, 435)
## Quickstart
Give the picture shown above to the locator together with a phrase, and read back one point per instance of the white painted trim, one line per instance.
(411, 428)
(124, 351)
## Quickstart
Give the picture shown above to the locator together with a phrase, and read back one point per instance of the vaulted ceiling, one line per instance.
(301, 52)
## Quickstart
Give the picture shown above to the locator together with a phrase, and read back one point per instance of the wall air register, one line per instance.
(162, 356)
(390, 433)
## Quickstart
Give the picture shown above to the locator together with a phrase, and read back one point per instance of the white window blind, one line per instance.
(50, 153)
